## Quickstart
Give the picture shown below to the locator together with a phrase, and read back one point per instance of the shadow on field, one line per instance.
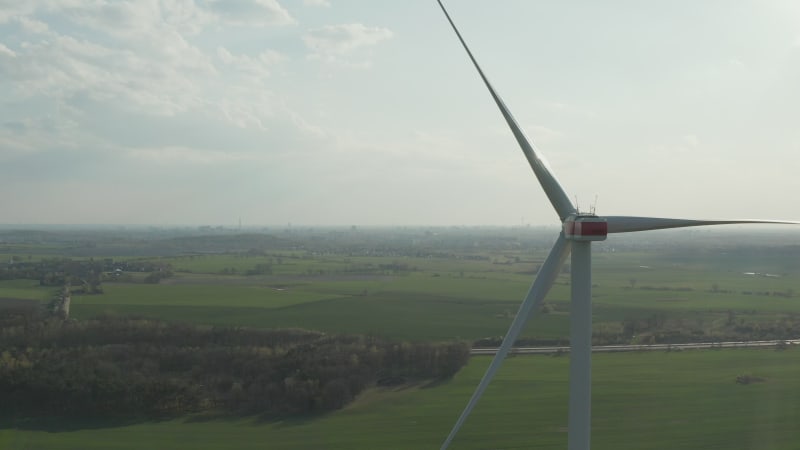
(286, 420)
(55, 424)
(435, 383)
(61, 424)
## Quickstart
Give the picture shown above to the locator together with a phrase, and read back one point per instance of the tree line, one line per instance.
(136, 367)
(86, 275)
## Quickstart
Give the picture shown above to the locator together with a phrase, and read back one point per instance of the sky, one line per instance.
(363, 112)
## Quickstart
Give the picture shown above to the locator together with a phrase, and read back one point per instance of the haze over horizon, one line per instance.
(325, 112)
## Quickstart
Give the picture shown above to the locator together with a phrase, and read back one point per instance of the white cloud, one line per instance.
(155, 78)
(691, 140)
(32, 25)
(10, 10)
(120, 68)
(334, 42)
(128, 18)
(736, 63)
(306, 127)
(142, 68)
(570, 109)
(324, 3)
(184, 155)
(257, 68)
(247, 114)
(250, 12)
(6, 52)
(541, 134)
(39, 136)
(116, 18)
(185, 16)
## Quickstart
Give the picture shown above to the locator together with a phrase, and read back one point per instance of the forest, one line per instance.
(130, 367)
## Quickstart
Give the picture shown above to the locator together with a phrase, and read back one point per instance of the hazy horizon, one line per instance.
(332, 113)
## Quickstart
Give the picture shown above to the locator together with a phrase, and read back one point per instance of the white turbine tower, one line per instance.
(578, 231)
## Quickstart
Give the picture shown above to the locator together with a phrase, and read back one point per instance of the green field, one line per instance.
(456, 302)
(657, 400)
(24, 289)
(422, 289)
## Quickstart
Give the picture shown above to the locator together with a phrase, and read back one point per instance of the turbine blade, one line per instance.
(628, 224)
(555, 193)
(541, 285)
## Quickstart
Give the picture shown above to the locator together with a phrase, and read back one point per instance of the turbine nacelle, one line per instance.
(585, 227)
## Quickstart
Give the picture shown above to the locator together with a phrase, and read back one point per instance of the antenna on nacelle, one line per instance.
(577, 206)
(593, 208)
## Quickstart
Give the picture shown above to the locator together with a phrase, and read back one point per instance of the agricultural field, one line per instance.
(457, 284)
(653, 400)
(467, 293)
(437, 285)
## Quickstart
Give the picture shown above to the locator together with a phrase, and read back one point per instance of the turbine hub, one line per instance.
(585, 227)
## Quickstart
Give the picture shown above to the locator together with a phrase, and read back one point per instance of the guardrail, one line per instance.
(640, 347)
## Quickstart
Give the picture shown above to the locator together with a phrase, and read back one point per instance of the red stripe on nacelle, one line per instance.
(586, 229)
(593, 228)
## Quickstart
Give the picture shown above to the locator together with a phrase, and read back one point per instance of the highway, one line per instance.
(639, 347)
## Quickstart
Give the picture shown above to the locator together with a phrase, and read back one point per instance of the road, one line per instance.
(639, 348)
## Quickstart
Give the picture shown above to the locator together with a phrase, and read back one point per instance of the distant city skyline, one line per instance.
(364, 113)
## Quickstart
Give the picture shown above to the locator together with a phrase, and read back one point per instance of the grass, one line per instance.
(465, 299)
(397, 315)
(654, 400)
(686, 400)
(218, 295)
(25, 289)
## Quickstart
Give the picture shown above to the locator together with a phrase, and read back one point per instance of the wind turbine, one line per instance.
(579, 230)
